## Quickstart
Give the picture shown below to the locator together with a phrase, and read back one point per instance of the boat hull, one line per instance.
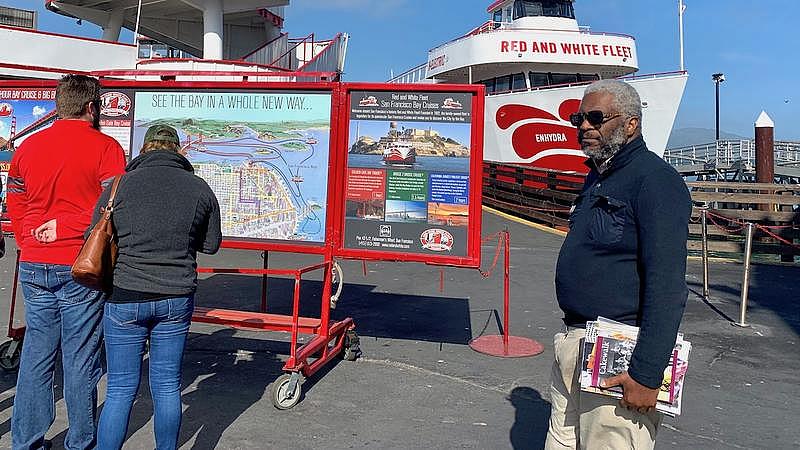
(533, 127)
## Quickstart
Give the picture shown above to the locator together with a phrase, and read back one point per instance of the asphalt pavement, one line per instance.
(419, 385)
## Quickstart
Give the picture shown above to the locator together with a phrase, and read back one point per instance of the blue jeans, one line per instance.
(127, 326)
(58, 313)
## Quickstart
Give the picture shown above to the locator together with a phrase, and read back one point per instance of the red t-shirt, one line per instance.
(58, 173)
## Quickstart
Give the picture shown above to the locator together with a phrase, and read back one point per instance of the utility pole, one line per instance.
(718, 79)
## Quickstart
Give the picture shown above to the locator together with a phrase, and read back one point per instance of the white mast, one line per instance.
(681, 8)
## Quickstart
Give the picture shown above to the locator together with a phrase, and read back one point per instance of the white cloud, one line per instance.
(39, 111)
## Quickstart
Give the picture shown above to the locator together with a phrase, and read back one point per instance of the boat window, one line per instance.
(508, 14)
(563, 78)
(549, 8)
(588, 77)
(489, 85)
(518, 82)
(497, 17)
(538, 79)
(144, 51)
(502, 84)
(159, 51)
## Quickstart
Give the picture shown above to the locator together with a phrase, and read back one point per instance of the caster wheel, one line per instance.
(9, 357)
(351, 350)
(282, 395)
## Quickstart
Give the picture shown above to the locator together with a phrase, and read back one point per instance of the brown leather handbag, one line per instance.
(94, 265)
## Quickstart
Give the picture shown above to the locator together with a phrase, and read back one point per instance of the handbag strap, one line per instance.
(110, 205)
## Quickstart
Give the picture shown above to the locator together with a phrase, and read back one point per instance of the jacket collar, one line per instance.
(160, 158)
(620, 159)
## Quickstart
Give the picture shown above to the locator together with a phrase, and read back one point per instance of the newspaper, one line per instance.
(606, 352)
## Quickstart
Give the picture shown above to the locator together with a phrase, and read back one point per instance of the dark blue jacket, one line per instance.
(624, 257)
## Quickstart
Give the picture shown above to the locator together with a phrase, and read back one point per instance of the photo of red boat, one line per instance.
(400, 153)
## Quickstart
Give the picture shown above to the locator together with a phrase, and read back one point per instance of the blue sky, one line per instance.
(751, 42)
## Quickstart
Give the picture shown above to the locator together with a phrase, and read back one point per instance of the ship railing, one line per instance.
(306, 54)
(585, 83)
(327, 56)
(416, 74)
(269, 51)
(242, 73)
(296, 49)
(499, 27)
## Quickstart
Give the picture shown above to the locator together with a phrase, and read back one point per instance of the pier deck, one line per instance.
(418, 384)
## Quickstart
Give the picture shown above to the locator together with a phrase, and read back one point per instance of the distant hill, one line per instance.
(681, 137)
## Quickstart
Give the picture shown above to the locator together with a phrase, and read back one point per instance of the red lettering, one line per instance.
(595, 50)
(523, 46)
(605, 50)
(567, 49)
(535, 47)
(503, 46)
(553, 48)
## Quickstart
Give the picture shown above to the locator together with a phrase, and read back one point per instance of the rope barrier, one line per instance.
(767, 229)
(776, 237)
(499, 236)
(744, 224)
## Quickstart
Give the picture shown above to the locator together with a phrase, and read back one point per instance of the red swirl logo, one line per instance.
(540, 135)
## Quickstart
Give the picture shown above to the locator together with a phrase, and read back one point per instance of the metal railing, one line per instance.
(270, 51)
(416, 74)
(327, 56)
(728, 152)
(492, 27)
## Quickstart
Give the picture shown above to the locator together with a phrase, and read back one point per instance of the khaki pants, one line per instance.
(581, 420)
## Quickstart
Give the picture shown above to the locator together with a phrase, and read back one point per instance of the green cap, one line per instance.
(162, 133)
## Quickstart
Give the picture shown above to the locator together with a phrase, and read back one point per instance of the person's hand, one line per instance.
(635, 396)
(46, 232)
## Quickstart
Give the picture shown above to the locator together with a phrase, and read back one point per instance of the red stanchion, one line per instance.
(505, 345)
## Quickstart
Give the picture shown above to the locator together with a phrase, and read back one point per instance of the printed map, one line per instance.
(265, 156)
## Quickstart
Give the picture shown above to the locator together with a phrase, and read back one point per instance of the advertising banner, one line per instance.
(22, 111)
(408, 172)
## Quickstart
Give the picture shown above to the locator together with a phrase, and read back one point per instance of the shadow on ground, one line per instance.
(376, 314)
(531, 418)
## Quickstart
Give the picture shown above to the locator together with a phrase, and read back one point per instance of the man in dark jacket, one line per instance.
(624, 258)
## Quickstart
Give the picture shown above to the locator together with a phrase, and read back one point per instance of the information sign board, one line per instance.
(411, 185)
(264, 152)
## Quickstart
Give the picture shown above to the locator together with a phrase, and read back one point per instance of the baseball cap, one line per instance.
(162, 133)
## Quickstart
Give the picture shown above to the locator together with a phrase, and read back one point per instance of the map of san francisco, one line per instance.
(265, 156)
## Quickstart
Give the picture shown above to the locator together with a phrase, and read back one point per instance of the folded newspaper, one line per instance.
(607, 351)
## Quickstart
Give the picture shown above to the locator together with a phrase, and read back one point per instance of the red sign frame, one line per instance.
(337, 162)
(472, 258)
(320, 87)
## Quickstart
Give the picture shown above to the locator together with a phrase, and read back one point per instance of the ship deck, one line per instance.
(418, 384)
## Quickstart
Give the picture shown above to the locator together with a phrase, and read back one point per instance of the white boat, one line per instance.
(535, 62)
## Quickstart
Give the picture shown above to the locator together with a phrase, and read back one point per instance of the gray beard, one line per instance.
(609, 148)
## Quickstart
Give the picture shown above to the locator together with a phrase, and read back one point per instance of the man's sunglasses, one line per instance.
(595, 118)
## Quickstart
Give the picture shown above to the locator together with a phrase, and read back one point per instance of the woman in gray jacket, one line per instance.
(163, 215)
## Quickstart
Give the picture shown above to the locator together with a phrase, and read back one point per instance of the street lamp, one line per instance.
(718, 78)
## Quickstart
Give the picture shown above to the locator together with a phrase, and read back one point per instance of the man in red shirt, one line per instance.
(55, 179)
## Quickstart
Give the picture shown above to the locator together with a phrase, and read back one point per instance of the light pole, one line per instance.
(718, 78)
